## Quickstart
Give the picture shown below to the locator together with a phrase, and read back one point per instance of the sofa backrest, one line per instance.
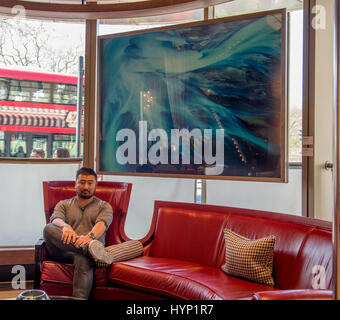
(115, 193)
(194, 233)
(188, 234)
(301, 245)
(314, 265)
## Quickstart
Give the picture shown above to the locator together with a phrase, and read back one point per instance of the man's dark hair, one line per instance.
(39, 151)
(63, 153)
(87, 172)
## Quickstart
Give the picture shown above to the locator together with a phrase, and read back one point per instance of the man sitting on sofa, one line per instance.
(75, 226)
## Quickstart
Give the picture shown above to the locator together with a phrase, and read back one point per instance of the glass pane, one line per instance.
(16, 93)
(18, 145)
(66, 145)
(294, 59)
(125, 25)
(22, 205)
(2, 144)
(2, 148)
(237, 7)
(42, 92)
(65, 94)
(36, 91)
(287, 197)
(40, 142)
(295, 75)
(4, 89)
(38, 81)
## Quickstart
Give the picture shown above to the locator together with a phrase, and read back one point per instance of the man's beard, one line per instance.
(85, 196)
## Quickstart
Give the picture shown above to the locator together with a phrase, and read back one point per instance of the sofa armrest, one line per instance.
(300, 294)
(39, 257)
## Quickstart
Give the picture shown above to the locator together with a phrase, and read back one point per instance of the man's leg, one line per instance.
(83, 266)
(52, 235)
(83, 276)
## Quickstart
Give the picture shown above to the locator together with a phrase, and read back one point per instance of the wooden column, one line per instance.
(308, 109)
(336, 171)
(90, 93)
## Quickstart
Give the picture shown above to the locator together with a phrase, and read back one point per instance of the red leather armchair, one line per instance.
(55, 277)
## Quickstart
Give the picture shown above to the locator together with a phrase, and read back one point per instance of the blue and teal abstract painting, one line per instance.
(204, 100)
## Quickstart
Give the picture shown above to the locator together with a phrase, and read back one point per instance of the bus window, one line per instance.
(4, 83)
(41, 91)
(18, 145)
(65, 94)
(40, 142)
(71, 94)
(27, 121)
(26, 91)
(2, 144)
(15, 91)
(67, 141)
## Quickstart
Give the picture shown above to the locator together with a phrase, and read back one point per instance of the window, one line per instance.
(125, 25)
(38, 96)
(294, 59)
(2, 141)
(66, 141)
(277, 197)
(64, 94)
(18, 145)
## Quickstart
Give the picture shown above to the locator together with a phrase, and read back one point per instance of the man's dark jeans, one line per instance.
(68, 253)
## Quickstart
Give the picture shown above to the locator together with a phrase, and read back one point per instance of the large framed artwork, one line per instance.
(199, 100)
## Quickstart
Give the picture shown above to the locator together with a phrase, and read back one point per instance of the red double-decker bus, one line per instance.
(37, 110)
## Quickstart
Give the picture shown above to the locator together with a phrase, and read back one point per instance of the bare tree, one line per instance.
(39, 44)
(294, 134)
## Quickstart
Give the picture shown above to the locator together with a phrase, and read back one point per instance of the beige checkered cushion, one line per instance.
(123, 251)
(249, 259)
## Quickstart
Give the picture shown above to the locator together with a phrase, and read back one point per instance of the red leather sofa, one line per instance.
(185, 249)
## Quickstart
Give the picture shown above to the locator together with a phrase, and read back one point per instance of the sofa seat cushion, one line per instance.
(182, 279)
(63, 273)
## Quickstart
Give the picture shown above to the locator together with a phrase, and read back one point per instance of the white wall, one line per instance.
(21, 199)
(145, 191)
(22, 207)
(324, 94)
(277, 197)
(22, 211)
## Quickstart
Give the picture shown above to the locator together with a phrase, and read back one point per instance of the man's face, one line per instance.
(86, 186)
(35, 155)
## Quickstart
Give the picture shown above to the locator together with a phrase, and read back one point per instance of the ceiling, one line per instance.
(102, 9)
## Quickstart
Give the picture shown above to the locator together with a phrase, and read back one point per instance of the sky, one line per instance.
(295, 59)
